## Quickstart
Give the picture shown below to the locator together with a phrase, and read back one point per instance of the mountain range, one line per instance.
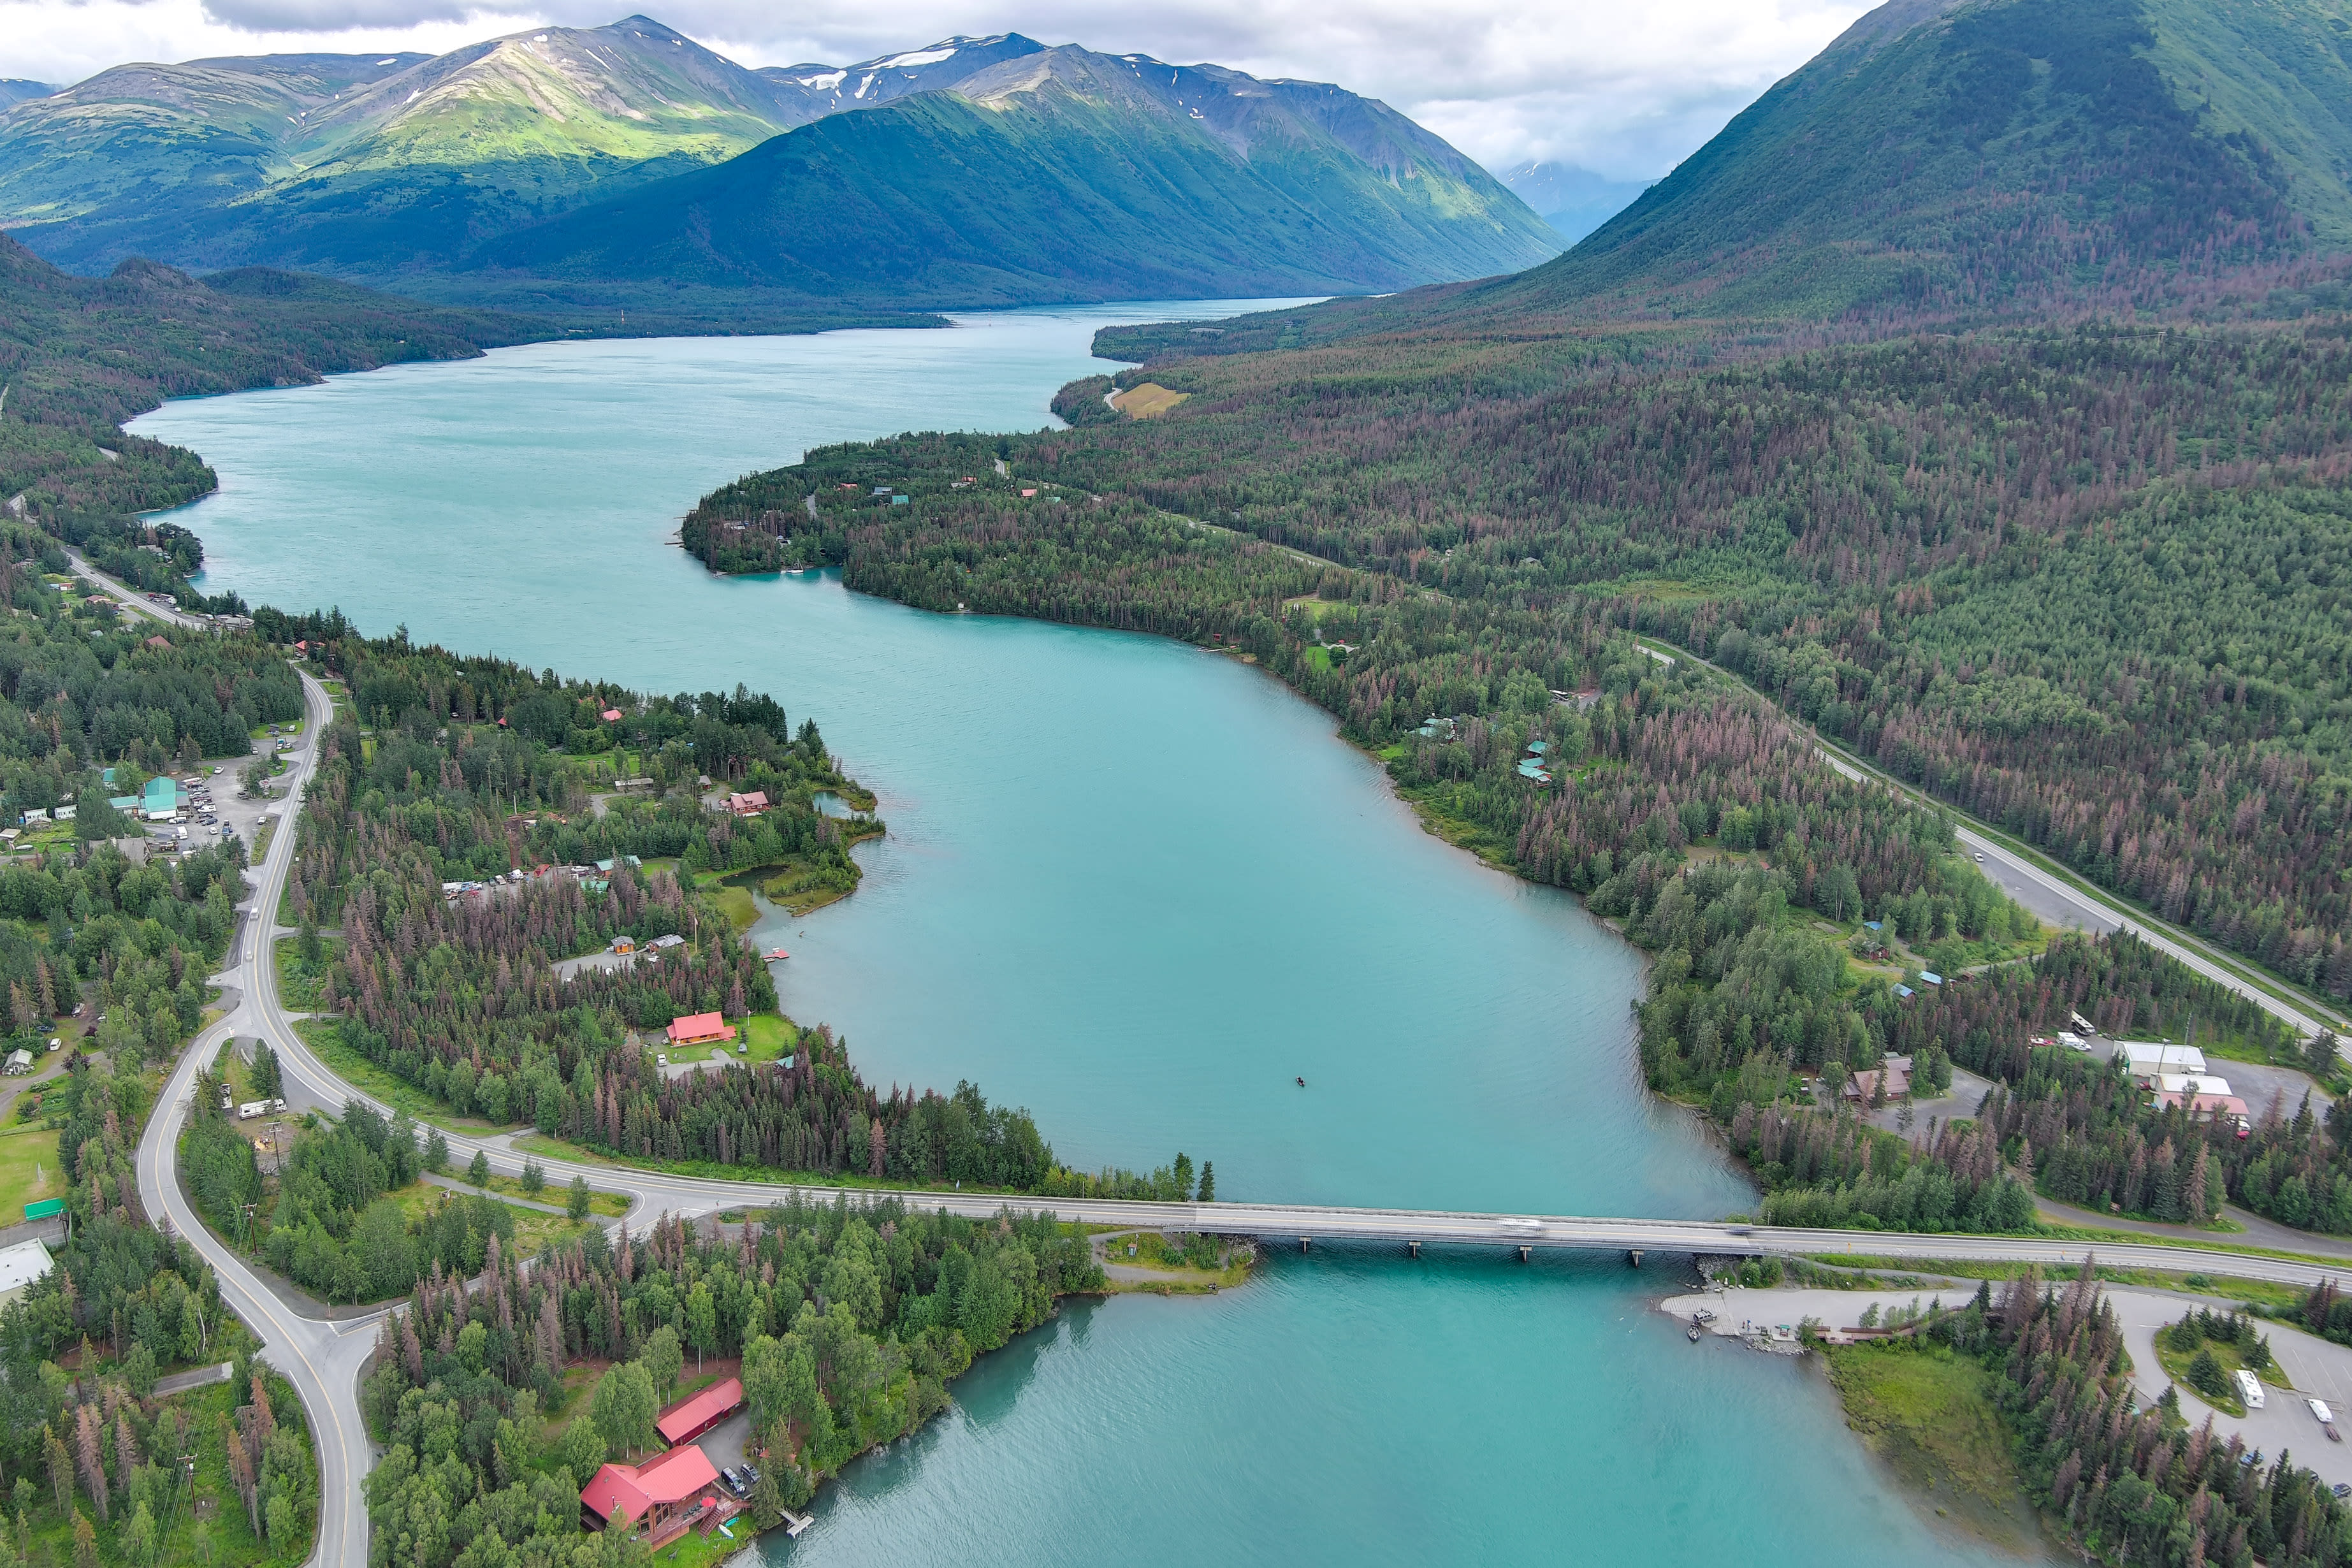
(1573, 200)
(977, 171)
(1062, 173)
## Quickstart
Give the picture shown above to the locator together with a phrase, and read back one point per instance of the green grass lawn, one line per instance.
(28, 1170)
(532, 1228)
(611, 1204)
(325, 1039)
(1930, 1414)
(2176, 1367)
(557, 1149)
(769, 1036)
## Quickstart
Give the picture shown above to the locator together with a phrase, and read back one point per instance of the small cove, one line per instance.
(1138, 888)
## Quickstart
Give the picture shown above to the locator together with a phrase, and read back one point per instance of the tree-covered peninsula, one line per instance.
(473, 824)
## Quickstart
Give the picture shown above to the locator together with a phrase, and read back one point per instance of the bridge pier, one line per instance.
(1413, 1247)
(1302, 1243)
(1523, 1250)
(1633, 1257)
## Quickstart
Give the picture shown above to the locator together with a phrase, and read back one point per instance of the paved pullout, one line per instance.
(2308, 1366)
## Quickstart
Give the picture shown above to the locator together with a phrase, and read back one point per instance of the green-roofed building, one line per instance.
(162, 797)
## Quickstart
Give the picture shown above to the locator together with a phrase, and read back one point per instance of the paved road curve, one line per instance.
(320, 1358)
(323, 1359)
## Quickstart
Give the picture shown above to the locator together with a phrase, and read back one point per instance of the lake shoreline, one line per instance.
(1527, 1036)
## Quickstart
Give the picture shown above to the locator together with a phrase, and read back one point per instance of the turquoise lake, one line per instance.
(1139, 888)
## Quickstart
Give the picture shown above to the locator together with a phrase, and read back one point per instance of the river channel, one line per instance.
(1142, 890)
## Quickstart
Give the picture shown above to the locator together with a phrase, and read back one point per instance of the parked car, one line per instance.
(735, 1482)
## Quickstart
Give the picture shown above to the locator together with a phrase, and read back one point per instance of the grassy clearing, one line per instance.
(299, 983)
(1173, 1271)
(28, 1170)
(1929, 1414)
(557, 1149)
(613, 1205)
(325, 1039)
(1147, 400)
(533, 1229)
(769, 1036)
(741, 910)
(2262, 1293)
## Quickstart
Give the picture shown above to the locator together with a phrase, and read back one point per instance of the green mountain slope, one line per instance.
(1964, 154)
(1064, 175)
(162, 140)
(365, 170)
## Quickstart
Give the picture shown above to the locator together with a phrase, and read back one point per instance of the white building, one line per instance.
(20, 1266)
(2189, 1083)
(2148, 1058)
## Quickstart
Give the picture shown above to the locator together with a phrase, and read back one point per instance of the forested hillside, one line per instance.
(1063, 175)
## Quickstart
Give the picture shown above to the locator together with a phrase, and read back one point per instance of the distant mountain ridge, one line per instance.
(447, 173)
(1573, 200)
(1060, 174)
(1961, 154)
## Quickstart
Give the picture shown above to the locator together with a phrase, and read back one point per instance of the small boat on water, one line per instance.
(1694, 1333)
(774, 953)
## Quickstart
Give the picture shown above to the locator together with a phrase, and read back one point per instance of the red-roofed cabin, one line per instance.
(159, 642)
(692, 1417)
(751, 805)
(660, 1496)
(700, 1029)
(610, 715)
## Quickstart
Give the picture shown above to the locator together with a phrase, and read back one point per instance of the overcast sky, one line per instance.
(1626, 89)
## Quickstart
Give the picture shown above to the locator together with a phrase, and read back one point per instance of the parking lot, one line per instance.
(211, 807)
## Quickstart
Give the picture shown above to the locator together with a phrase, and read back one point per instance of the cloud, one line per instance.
(310, 17)
(1627, 91)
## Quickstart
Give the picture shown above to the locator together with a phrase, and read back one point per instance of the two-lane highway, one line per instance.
(321, 1358)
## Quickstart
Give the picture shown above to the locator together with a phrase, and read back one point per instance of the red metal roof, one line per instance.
(640, 1489)
(694, 1415)
(699, 1026)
